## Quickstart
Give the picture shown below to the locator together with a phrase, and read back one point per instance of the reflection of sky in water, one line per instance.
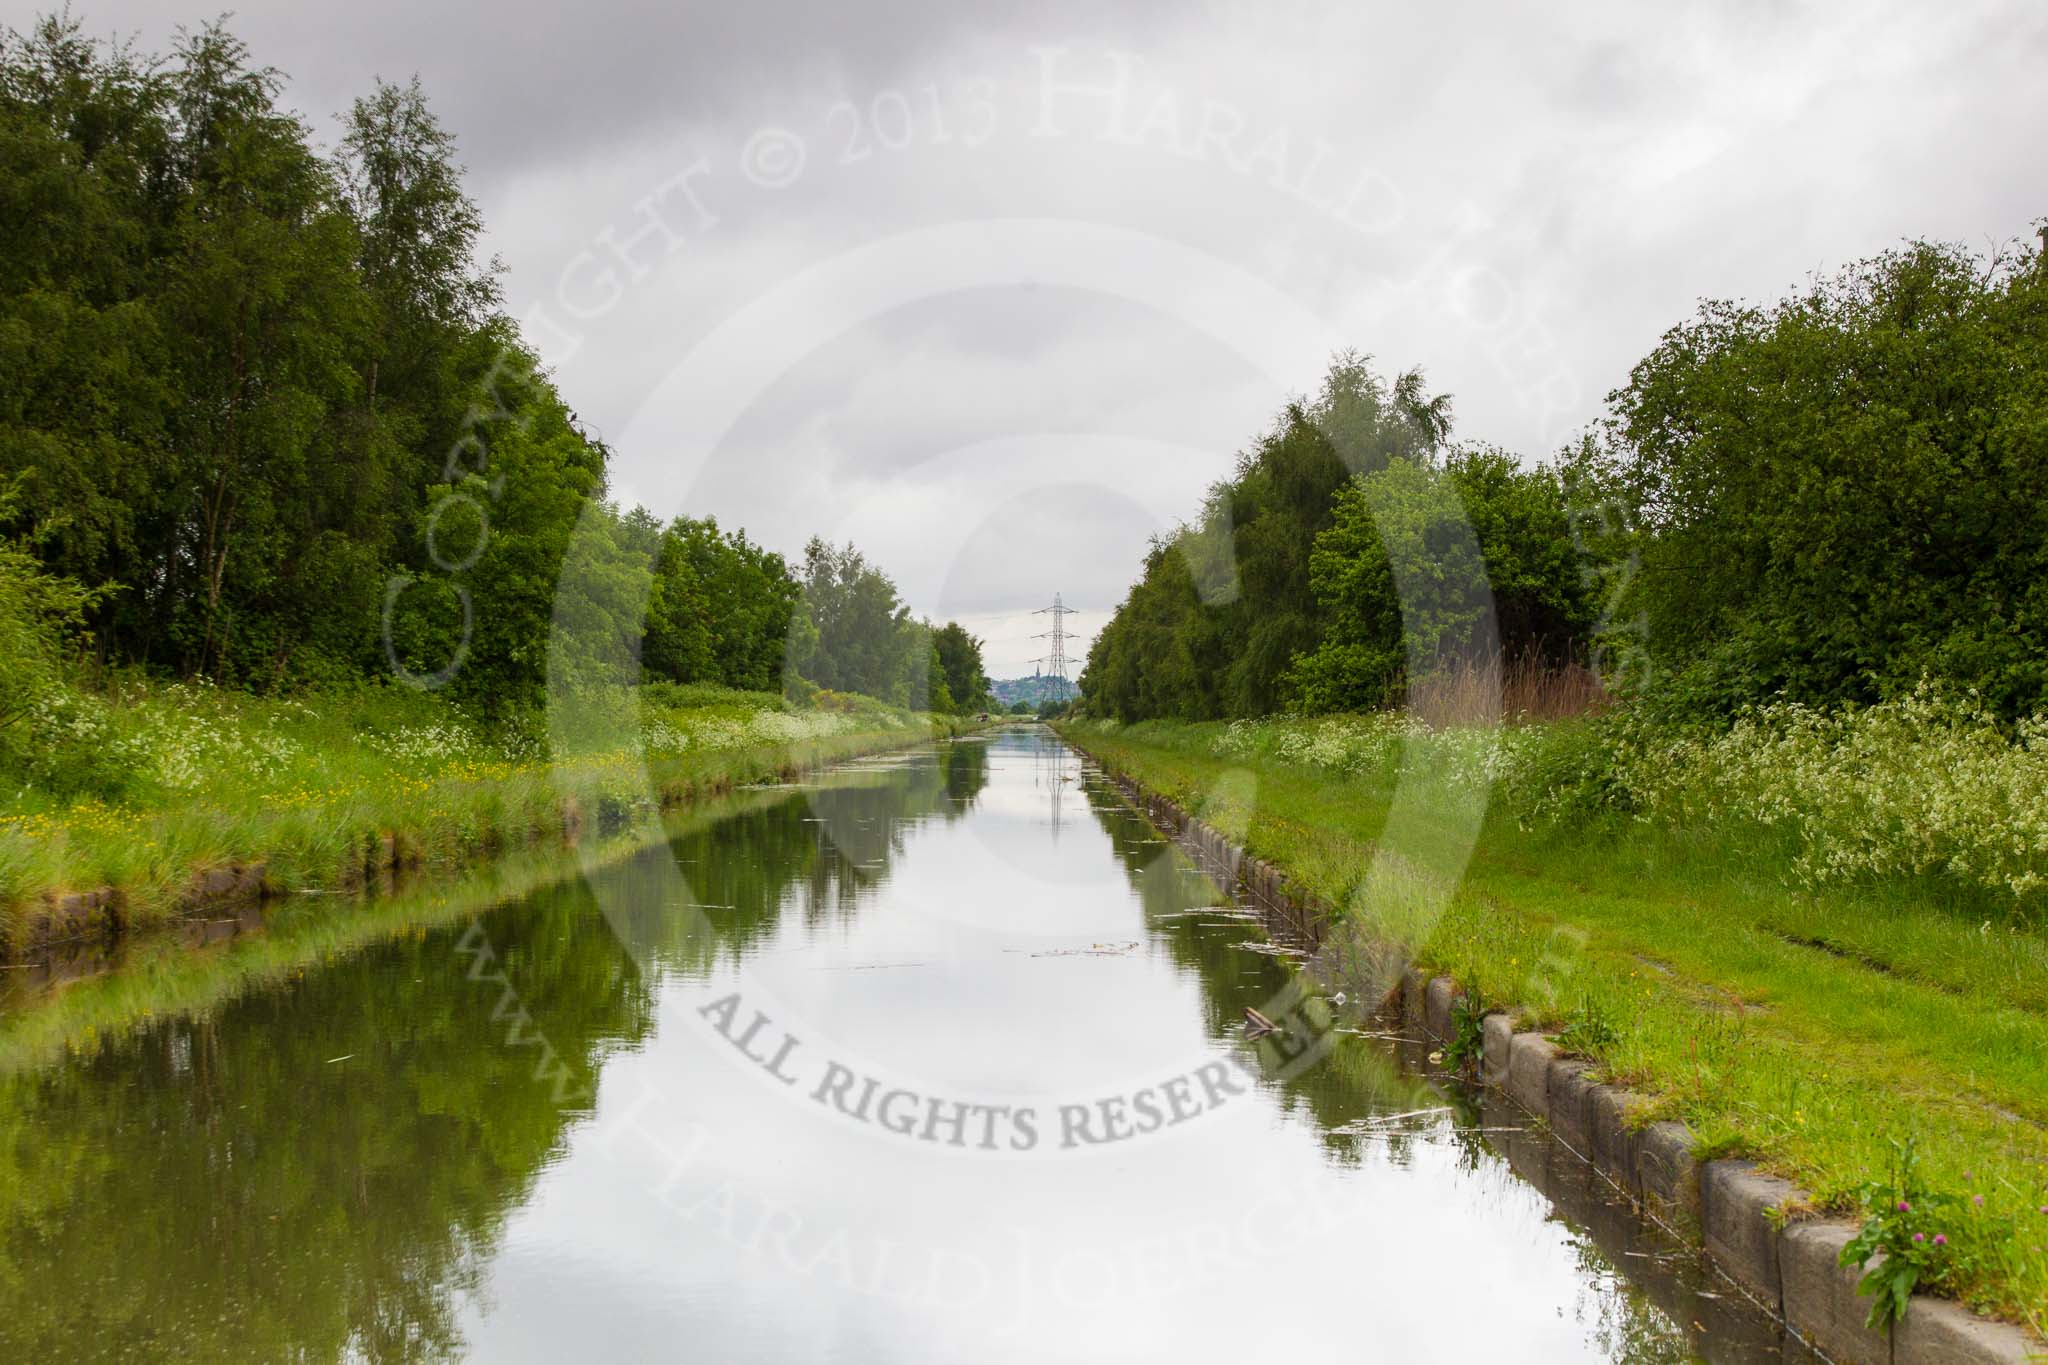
(341, 1137)
(710, 1212)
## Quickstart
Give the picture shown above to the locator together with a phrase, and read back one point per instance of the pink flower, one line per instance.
(1940, 1240)
(1978, 1200)
(1919, 1236)
(1904, 1207)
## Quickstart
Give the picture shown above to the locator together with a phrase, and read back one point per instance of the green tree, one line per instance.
(85, 136)
(1228, 604)
(262, 304)
(1832, 497)
(1440, 564)
(937, 695)
(417, 236)
(865, 640)
(252, 386)
(722, 610)
(411, 425)
(1160, 653)
(959, 661)
(508, 527)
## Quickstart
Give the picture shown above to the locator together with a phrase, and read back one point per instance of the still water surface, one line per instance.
(938, 1057)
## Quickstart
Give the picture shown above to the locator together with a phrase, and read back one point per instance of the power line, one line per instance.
(1056, 661)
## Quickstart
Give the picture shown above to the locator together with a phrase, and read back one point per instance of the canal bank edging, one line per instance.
(376, 860)
(1741, 1219)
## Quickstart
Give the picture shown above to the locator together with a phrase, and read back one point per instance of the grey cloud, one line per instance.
(1569, 182)
(534, 83)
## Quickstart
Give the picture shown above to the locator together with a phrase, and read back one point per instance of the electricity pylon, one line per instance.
(1056, 661)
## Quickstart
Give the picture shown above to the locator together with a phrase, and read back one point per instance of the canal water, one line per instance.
(939, 1057)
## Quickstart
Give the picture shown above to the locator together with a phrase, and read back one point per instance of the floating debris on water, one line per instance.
(1271, 949)
(1384, 1123)
(1092, 950)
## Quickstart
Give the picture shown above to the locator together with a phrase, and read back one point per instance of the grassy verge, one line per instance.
(307, 787)
(159, 976)
(1810, 1027)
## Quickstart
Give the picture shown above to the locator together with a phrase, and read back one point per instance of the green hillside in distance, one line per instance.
(1034, 689)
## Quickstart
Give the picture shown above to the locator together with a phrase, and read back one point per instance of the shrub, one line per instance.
(51, 734)
(1926, 785)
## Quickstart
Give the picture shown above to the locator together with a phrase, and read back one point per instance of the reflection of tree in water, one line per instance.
(821, 851)
(1624, 1324)
(1353, 1080)
(1356, 1079)
(229, 1187)
(223, 1188)
(965, 766)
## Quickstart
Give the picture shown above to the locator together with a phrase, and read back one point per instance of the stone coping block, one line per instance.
(1734, 1199)
(1438, 997)
(1499, 1034)
(1821, 1302)
(1667, 1173)
(1528, 1084)
(1571, 1104)
(1943, 1332)
(1609, 1110)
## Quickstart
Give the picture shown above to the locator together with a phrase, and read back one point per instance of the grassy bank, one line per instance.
(1787, 996)
(310, 787)
(158, 976)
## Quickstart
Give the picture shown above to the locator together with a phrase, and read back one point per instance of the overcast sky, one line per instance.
(998, 297)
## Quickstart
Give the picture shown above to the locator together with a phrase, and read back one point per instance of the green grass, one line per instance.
(161, 976)
(307, 786)
(1693, 963)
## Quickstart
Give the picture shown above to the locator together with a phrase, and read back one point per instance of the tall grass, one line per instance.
(1523, 689)
(1925, 790)
(310, 786)
(161, 975)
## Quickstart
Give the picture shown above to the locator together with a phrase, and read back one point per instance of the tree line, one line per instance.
(263, 418)
(1827, 500)
(1284, 593)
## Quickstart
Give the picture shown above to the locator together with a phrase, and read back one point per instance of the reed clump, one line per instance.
(1514, 691)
